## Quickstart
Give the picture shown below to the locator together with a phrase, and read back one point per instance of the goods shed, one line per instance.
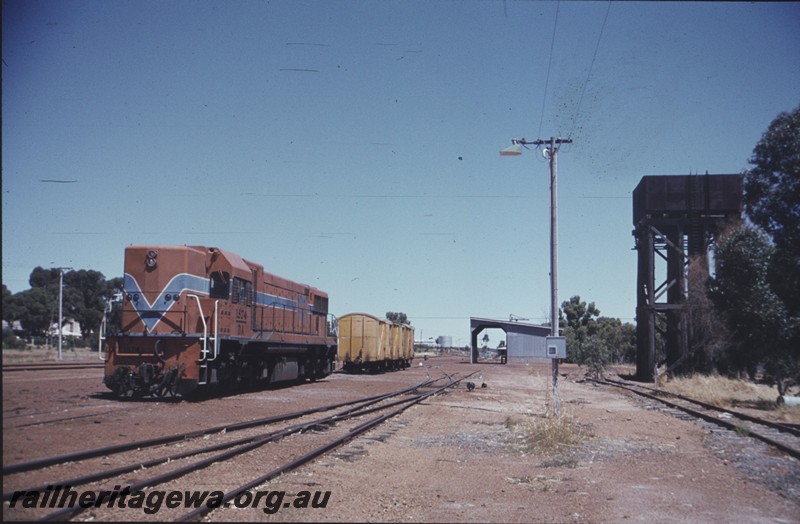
(523, 341)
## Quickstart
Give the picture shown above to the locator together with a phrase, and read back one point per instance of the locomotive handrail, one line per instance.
(204, 351)
(275, 306)
(333, 325)
(159, 356)
(100, 339)
(101, 335)
(283, 309)
(215, 338)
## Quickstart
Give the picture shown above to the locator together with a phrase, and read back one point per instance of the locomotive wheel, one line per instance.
(122, 387)
(168, 386)
(171, 390)
(123, 391)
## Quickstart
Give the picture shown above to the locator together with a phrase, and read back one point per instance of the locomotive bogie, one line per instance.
(137, 366)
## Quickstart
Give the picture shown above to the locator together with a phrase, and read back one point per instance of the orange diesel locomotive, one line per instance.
(195, 316)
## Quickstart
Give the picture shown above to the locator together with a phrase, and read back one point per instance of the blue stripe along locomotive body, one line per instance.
(195, 316)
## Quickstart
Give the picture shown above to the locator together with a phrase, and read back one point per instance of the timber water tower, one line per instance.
(676, 220)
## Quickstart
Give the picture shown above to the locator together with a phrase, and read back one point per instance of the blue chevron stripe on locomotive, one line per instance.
(151, 314)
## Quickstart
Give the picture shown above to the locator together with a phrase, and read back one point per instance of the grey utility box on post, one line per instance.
(556, 347)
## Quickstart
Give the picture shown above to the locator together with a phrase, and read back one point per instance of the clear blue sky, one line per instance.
(354, 145)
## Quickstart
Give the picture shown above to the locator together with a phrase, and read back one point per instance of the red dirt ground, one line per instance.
(455, 458)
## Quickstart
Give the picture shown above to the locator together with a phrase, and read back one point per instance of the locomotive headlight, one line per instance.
(150, 262)
(167, 298)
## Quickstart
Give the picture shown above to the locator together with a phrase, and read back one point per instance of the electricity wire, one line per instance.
(591, 67)
(549, 66)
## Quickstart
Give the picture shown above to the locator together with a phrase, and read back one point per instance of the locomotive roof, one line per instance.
(235, 260)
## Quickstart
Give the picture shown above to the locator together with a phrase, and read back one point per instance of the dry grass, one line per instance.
(729, 393)
(35, 354)
(723, 392)
(548, 434)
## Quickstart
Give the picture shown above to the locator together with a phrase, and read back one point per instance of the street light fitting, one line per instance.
(513, 150)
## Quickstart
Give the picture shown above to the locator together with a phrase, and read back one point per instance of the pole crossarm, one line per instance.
(540, 142)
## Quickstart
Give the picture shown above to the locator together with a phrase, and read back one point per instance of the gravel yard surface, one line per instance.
(462, 456)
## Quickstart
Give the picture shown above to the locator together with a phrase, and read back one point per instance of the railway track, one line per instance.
(780, 436)
(51, 366)
(58, 420)
(215, 445)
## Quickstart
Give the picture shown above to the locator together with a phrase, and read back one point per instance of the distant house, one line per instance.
(71, 328)
(15, 326)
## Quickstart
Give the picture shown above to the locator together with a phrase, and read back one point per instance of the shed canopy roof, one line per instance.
(477, 324)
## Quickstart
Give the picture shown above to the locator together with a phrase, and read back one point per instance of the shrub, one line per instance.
(10, 340)
(547, 434)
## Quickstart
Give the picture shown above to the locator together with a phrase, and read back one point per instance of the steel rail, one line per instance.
(20, 467)
(53, 367)
(57, 420)
(353, 433)
(244, 445)
(794, 452)
(738, 414)
(93, 477)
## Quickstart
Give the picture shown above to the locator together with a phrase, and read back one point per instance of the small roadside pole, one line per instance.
(61, 305)
(554, 342)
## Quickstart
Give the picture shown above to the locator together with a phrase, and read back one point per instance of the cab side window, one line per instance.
(242, 292)
(220, 284)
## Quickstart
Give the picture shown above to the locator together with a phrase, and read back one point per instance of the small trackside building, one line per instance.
(524, 342)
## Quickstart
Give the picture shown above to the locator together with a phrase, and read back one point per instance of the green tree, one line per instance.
(34, 309)
(594, 341)
(579, 326)
(772, 201)
(7, 294)
(88, 294)
(619, 337)
(709, 338)
(595, 354)
(762, 331)
(397, 318)
(47, 279)
(114, 320)
(577, 321)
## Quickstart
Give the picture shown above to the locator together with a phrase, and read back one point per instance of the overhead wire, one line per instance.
(591, 67)
(549, 66)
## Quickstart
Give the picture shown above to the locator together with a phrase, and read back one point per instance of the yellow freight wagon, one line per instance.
(407, 355)
(369, 343)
